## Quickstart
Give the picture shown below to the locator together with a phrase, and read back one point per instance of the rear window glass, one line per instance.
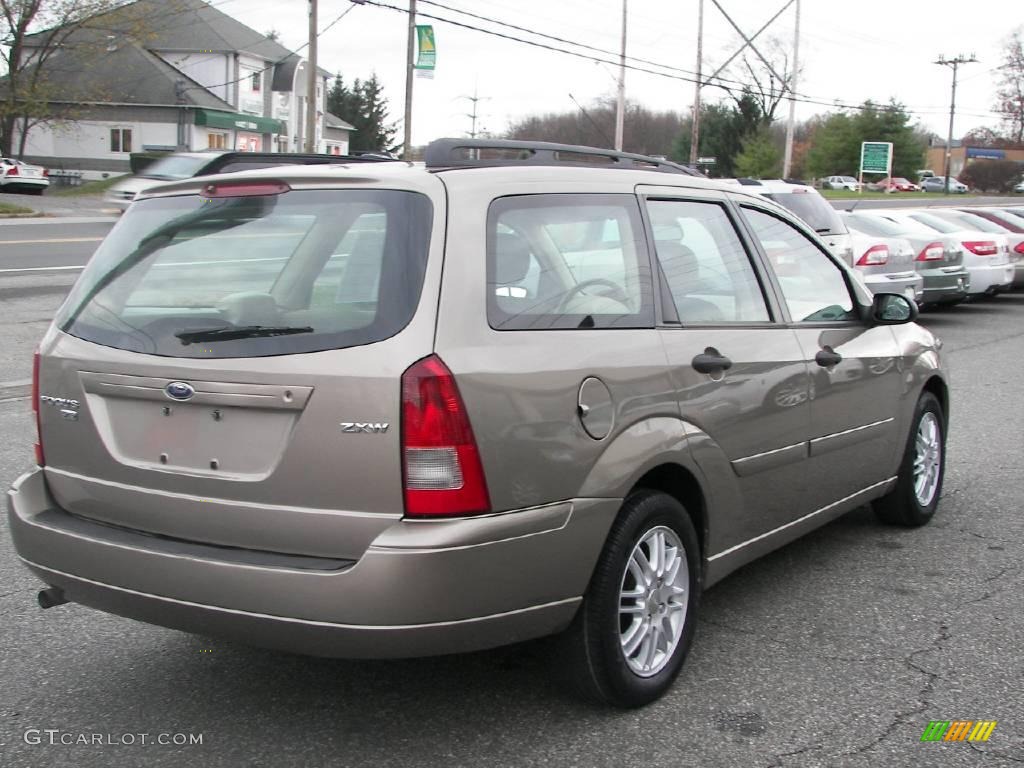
(813, 209)
(870, 225)
(567, 261)
(974, 222)
(174, 167)
(939, 225)
(303, 271)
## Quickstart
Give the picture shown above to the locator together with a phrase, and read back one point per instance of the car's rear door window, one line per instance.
(706, 267)
(567, 261)
(278, 274)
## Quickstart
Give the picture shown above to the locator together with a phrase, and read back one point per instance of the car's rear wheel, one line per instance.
(916, 496)
(631, 635)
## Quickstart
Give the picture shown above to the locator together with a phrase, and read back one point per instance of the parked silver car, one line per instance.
(938, 258)
(938, 184)
(387, 410)
(847, 183)
(986, 254)
(887, 264)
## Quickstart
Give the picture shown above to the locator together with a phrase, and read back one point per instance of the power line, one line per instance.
(802, 98)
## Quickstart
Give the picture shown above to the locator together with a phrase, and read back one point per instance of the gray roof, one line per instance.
(187, 25)
(333, 121)
(129, 74)
(182, 25)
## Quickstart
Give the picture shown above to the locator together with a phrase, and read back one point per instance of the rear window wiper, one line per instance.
(239, 332)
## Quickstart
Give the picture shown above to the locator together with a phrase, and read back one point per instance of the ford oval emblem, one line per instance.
(179, 390)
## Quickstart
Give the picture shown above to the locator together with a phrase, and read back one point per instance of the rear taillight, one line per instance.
(981, 247)
(46, 172)
(442, 468)
(931, 252)
(40, 459)
(12, 171)
(1019, 247)
(874, 256)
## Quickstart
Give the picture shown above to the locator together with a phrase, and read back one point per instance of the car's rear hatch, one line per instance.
(235, 356)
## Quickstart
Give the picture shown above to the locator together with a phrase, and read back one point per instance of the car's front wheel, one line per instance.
(912, 502)
(635, 626)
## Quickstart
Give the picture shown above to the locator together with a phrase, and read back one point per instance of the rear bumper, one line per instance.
(945, 284)
(422, 588)
(24, 183)
(991, 279)
(907, 284)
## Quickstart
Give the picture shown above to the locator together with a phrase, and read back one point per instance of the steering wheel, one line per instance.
(614, 289)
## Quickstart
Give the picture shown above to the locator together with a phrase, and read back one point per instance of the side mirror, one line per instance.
(893, 309)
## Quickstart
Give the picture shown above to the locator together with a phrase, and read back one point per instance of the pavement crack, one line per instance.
(923, 694)
(777, 759)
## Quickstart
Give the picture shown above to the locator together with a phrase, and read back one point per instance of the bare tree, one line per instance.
(1010, 95)
(646, 131)
(767, 82)
(36, 38)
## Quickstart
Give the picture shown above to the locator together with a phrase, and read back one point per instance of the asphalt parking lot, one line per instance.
(836, 650)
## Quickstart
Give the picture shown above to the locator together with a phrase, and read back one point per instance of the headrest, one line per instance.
(511, 258)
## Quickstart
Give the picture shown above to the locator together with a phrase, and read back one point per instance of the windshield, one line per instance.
(175, 167)
(870, 225)
(279, 274)
(813, 209)
(939, 225)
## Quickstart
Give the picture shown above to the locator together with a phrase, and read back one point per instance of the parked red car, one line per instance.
(898, 184)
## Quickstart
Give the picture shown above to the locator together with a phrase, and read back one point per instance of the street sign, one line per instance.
(427, 49)
(706, 160)
(875, 157)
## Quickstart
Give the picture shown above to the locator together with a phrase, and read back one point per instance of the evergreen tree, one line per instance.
(365, 107)
(760, 158)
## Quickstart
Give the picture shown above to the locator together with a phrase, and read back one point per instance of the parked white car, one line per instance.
(986, 254)
(842, 182)
(1019, 187)
(16, 176)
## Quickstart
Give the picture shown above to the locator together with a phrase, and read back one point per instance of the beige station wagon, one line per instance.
(521, 389)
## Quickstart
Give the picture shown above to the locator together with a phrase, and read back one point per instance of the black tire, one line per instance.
(901, 506)
(591, 648)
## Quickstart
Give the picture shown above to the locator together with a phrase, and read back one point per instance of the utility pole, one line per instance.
(695, 130)
(620, 108)
(474, 99)
(953, 64)
(311, 78)
(410, 53)
(787, 161)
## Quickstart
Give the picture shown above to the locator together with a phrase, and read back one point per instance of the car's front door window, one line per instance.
(812, 284)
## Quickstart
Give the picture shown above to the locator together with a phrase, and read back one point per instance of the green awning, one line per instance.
(234, 121)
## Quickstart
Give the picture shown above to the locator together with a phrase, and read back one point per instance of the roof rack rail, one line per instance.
(486, 153)
(749, 182)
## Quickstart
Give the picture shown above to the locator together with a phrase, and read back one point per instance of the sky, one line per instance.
(849, 51)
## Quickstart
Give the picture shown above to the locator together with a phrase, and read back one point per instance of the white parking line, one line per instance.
(39, 269)
(53, 240)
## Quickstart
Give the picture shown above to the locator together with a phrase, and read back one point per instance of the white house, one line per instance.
(197, 79)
